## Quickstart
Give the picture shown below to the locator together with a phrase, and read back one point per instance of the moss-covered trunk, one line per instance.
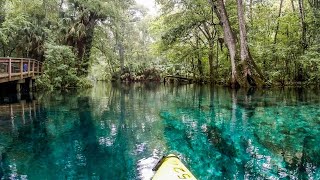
(249, 74)
(229, 38)
(210, 57)
(84, 46)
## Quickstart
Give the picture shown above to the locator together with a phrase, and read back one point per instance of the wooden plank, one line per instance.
(5, 79)
(14, 77)
(15, 74)
(4, 61)
(7, 61)
(15, 69)
(9, 69)
(6, 74)
(15, 60)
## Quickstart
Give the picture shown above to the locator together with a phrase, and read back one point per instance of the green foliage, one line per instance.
(283, 61)
(23, 30)
(142, 75)
(12, 32)
(98, 38)
(311, 61)
(188, 31)
(126, 41)
(60, 70)
(26, 26)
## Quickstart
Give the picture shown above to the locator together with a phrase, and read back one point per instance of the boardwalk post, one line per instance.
(9, 69)
(18, 89)
(11, 116)
(34, 108)
(30, 115)
(18, 86)
(30, 84)
(29, 67)
(22, 113)
(33, 68)
(21, 69)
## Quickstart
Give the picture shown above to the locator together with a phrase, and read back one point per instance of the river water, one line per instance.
(117, 132)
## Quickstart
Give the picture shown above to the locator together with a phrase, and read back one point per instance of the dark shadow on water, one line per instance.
(87, 132)
(104, 132)
(28, 138)
(223, 144)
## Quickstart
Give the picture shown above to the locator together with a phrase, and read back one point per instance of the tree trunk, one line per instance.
(251, 75)
(211, 56)
(121, 56)
(292, 5)
(251, 12)
(200, 69)
(246, 73)
(229, 38)
(303, 24)
(84, 45)
(278, 23)
(210, 38)
(217, 58)
(119, 43)
(193, 69)
(88, 45)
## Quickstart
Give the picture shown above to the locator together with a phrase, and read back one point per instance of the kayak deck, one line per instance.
(171, 168)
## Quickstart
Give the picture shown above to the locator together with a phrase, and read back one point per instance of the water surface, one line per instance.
(120, 131)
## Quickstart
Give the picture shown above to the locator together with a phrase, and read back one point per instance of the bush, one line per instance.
(148, 74)
(59, 69)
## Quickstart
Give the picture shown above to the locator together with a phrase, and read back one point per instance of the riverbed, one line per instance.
(115, 131)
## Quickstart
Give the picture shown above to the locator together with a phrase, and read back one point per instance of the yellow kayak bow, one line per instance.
(171, 168)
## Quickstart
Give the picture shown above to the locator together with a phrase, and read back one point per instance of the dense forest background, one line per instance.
(229, 42)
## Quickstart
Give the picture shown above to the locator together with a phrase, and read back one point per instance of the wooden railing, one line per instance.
(27, 112)
(12, 69)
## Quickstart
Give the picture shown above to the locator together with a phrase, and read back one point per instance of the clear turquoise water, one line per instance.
(120, 132)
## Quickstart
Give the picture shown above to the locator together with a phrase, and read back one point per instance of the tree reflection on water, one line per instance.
(120, 131)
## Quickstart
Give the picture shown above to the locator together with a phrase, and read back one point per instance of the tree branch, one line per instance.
(204, 33)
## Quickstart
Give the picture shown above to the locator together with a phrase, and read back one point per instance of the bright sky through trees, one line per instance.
(150, 4)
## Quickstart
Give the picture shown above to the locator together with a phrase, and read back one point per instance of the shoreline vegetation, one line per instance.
(240, 44)
(154, 75)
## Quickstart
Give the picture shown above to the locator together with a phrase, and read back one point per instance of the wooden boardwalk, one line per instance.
(179, 77)
(14, 69)
(9, 113)
(171, 78)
